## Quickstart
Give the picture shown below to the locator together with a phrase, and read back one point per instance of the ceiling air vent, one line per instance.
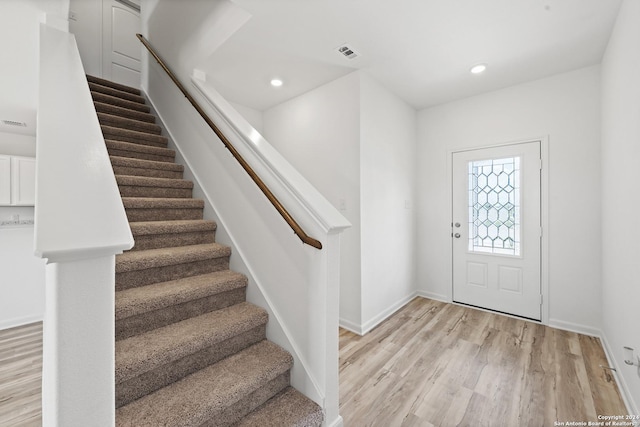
(347, 51)
(14, 123)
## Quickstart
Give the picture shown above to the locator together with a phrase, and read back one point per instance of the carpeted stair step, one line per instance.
(290, 408)
(138, 151)
(109, 83)
(141, 309)
(138, 167)
(140, 268)
(163, 234)
(150, 209)
(114, 110)
(119, 102)
(144, 186)
(111, 91)
(150, 361)
(126, 135)
(219, 395)
(126, 123)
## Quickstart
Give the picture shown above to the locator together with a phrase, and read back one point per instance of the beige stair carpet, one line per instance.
(190, 350)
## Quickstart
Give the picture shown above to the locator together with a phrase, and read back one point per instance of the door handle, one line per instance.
(457, 235)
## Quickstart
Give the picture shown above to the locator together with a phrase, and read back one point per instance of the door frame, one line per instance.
(544, 215)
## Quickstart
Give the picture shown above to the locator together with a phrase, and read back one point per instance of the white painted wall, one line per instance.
(388, 132)
(620, 202)
(319, 134)
(21, 273)
(86, 25)
(566, 109)
(254, 117)
(355, 141)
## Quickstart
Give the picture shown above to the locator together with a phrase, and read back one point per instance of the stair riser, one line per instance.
(139, 191)
(244, 406)
(136, 138)
(151, 173)
(138, 155)
(135, 325)
(124, 112)
(122, 123)
(156, 241)
(116, 93)
(132, 279)
(162, 214)
(133, 389)
(112, 100)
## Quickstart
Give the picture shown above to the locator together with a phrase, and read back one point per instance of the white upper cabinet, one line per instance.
(17, 181)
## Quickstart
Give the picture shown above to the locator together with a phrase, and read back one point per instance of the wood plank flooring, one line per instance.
(431, 364)
(438, 364)
(21, 376)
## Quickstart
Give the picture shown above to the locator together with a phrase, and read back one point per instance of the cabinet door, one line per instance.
(23, 181)
(5, 180)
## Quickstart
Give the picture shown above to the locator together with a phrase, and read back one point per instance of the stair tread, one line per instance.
(116, 110)
(151, 258)
(143, 299)
(290, 408)
(138, 137)
(146, 181)
(161, 202)
(139, 148)
(158, 347)
(122, 94)
(202, 395)
(114, 100)
(127, 123)
(145, 228)
(145, 164)
(120, 86)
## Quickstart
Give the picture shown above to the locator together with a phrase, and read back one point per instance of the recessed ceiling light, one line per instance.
(478, 69)
(276, 82)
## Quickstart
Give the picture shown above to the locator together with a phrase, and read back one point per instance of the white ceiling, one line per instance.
(421, 50)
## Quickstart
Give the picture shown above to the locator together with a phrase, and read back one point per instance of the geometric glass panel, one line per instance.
(494, 206)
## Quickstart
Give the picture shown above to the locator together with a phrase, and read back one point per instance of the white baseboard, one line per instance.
(575, 327)
(384, 315)
(350, 326)
(19, 321)
(338, 422)
(433, 296)
(362, 329)
(631, 405)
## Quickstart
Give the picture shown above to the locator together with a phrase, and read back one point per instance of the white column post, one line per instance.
(78, 379)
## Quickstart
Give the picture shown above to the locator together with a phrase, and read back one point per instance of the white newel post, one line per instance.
(78, 384)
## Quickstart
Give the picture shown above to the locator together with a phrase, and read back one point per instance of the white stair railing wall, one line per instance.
(80, 225)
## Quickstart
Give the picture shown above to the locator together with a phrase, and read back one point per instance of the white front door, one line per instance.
(121, 48)
(496, 228)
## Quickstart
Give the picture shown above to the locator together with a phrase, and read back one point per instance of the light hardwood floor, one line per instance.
(20, 376)
(431, 364)
(438, 364)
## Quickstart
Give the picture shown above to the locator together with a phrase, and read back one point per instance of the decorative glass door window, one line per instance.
(494, 206)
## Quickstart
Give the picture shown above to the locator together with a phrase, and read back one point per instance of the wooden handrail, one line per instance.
(265, 190)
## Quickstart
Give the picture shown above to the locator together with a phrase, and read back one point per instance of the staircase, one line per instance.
(190, 351)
